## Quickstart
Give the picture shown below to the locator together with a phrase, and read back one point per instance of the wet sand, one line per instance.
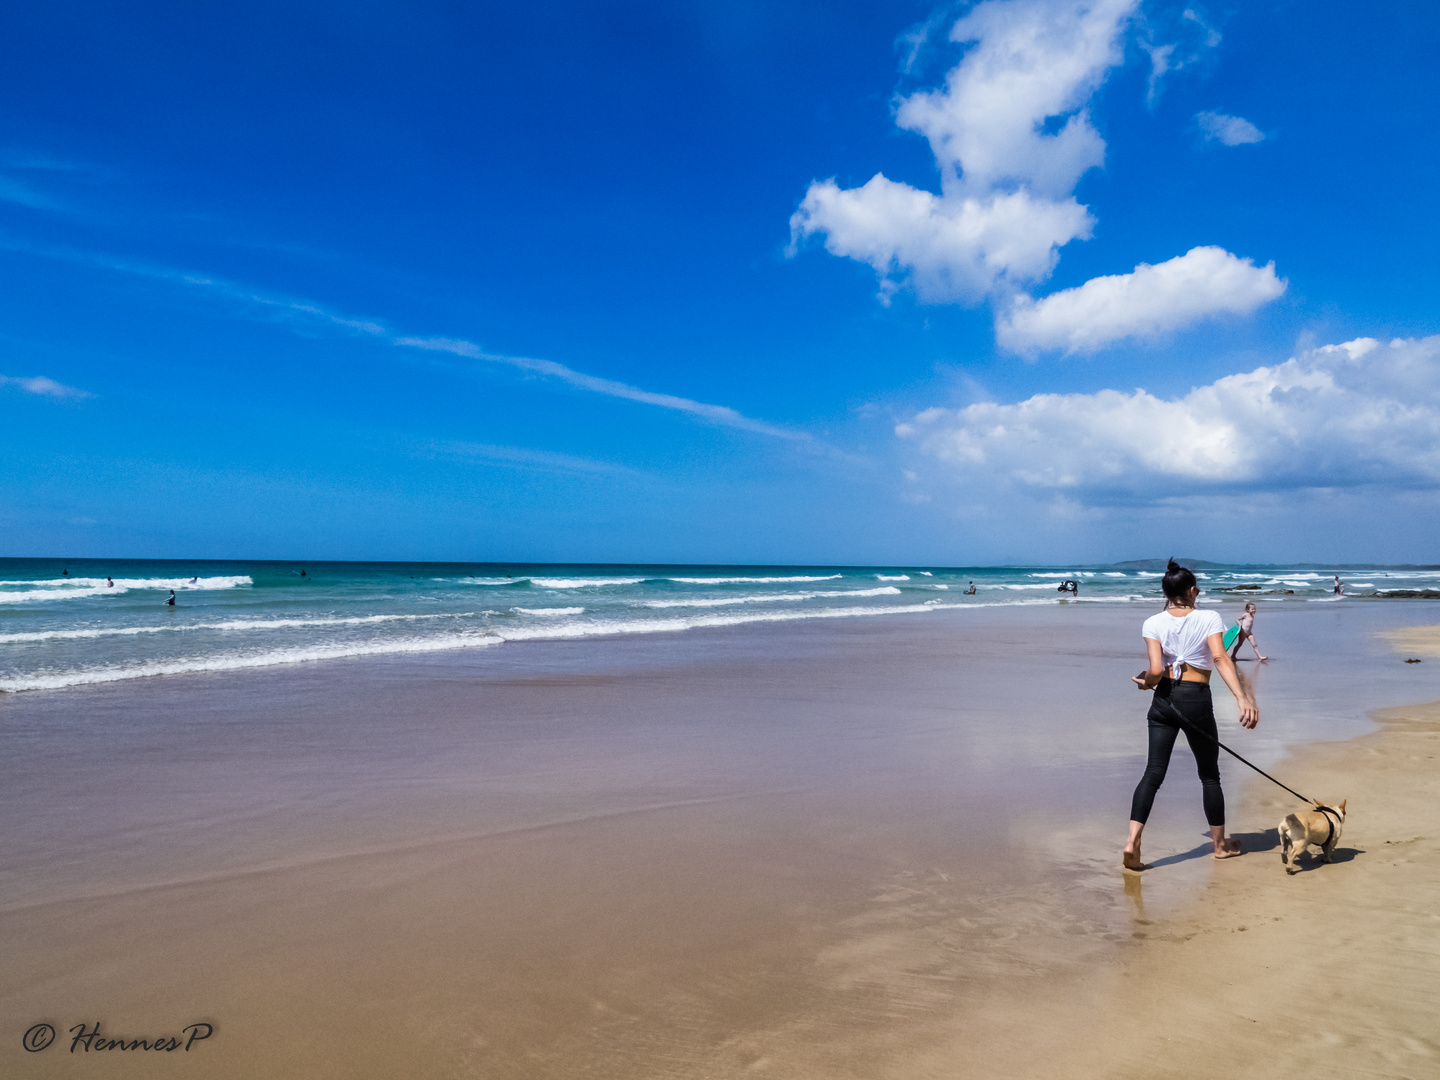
(1334, 972)
(884, 848)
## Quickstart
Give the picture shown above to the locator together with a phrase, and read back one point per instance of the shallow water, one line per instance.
(91, 621)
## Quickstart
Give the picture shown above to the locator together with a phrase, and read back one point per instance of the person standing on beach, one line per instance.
(1184, 646)
(1246, 622)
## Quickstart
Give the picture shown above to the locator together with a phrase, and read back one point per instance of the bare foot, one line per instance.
(1228, 848)
(1131, 860)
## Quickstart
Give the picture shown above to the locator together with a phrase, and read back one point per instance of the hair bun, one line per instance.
(1172, 567)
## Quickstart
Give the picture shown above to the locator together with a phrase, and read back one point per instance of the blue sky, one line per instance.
(792, 282)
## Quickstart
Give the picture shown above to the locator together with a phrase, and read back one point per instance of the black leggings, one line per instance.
(1192, 701)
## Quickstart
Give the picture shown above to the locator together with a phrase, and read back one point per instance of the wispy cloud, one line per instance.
(45, 387)
(1228, 130)
(523, 457)
(719, 414)
(25, 177)
(313, 314)
(22, 194)
(1193, 38)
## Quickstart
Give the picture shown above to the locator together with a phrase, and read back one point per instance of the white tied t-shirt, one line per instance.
(1184, 639)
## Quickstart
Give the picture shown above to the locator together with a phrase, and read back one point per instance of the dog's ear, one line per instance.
(1342, 805)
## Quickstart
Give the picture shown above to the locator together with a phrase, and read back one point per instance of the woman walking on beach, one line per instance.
(1184, 646)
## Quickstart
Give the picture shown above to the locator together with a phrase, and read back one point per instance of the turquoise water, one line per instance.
(90, 621)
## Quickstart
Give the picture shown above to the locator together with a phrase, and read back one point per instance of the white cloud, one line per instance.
(39, 384)
(1348, 415)
(954, 248)
(1029, 61)
(1230, 130)
(1149, 300)
(1006, 202)
(1012, 137)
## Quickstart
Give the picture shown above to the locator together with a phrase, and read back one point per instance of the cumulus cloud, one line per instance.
(954, 248)
(1339, 416)
(39, 384)
(1011, 138)
(1229, 130)
(1149, 300)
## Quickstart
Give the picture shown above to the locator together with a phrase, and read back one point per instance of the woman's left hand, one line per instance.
(1249, 714)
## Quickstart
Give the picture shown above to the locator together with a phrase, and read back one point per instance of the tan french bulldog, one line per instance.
(1320, 827)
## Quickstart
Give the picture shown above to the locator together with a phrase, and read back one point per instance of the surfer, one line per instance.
(195, 580)
(171, 599)
(1244, 630)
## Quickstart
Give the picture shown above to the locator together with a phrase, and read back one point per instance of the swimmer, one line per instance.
(971, 590)
(171, 599)
(109, 582)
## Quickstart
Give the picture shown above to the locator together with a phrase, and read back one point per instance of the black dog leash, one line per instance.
(1191, 727)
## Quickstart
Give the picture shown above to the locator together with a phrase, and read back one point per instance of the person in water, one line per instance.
(1339, 586)
(971, 590)
(1184, 646)
(109, 582)
(171, 598)
(1246, 622)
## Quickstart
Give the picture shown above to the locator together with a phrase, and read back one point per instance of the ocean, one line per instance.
(92, 621)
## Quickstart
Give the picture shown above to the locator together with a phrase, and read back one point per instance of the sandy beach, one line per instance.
(1332, 973)
(877, 849)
